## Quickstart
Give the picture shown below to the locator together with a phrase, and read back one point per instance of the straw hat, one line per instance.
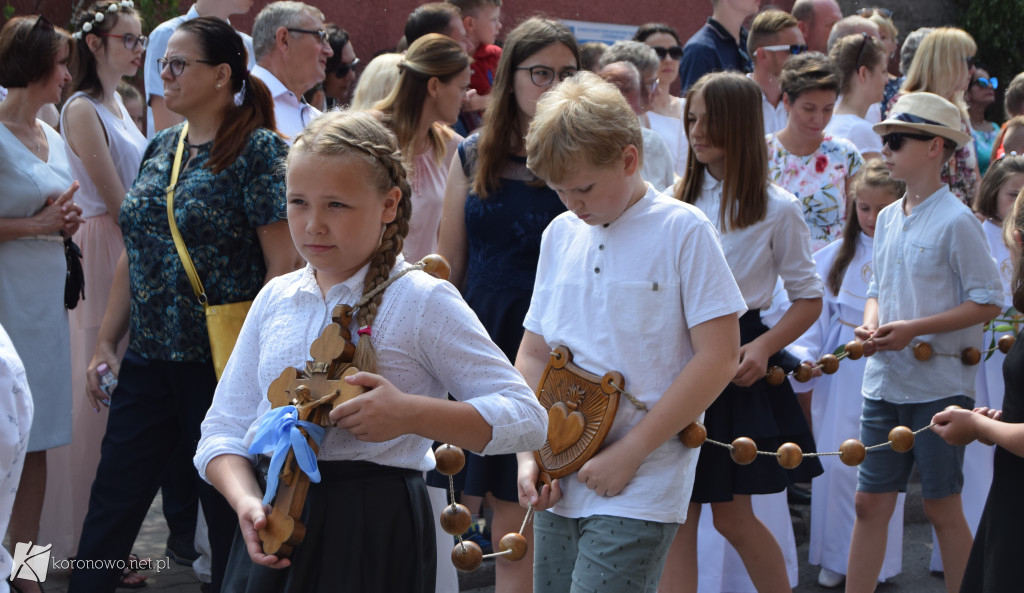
(926, 113)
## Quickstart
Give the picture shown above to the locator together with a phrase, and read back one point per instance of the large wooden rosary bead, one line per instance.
(803, 373)
(852, 452)
(450, 460)
(455, 519)
(790, 455)
(775, 376)
(743, 451)
(467, 556)
(514, 542)
(1005, 343)
(829, 364)
(970, 356)
(436, 266)
(694, 435)
(922, 351)
(854, 349)
(902, 439)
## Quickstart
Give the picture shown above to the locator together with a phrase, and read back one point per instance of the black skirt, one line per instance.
(369, 528)
(771, 416)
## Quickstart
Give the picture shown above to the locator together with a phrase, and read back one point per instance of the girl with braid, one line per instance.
(416, 341)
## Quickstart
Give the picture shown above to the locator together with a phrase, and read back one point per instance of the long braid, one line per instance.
(381, 264)
(360, 135)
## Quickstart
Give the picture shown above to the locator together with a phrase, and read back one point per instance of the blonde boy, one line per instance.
(934, 282)
(633, 281)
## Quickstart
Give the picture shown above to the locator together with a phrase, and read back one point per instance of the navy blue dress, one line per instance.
(992, 566)
(503, 234)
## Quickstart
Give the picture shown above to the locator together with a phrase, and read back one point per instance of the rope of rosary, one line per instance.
(456, 519)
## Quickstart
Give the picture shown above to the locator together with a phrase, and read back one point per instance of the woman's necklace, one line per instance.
(31, 135)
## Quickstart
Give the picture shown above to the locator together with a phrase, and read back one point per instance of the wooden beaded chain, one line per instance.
(456, 519)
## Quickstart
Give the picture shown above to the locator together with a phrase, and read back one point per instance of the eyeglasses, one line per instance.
(318, 32)
(177, 64)
(544, 76)
(652, 85)
(867, 12)
(986, 83)
(130, 40)
(344, 69)
(675, 52)
(895, 140)
(793, 49)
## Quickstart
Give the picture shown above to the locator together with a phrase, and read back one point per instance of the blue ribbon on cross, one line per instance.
(278, 433)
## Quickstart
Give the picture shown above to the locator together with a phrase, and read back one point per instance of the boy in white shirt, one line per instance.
(633, 281)
(934, 283)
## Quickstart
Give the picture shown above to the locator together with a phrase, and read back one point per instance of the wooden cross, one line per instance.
(314, 391)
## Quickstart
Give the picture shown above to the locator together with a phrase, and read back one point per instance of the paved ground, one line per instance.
(915, 577)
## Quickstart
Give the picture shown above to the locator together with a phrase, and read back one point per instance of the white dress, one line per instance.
(15, 418)
(835, 412)
(989, 392)
(32, 274)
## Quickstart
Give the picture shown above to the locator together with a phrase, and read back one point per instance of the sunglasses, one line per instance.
(793, 49)
(344, 69)
(130, 40)
(675, 52)
(867, 12)
(986, 83)
(322, 34)
(896, 140)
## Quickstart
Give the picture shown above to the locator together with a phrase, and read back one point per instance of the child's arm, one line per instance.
(754, 355)
(960, 427)
(869, 325)
(715, 354)
(385, 413)
(897, 335)
(531, 360)
(233, 477)
(452, 244)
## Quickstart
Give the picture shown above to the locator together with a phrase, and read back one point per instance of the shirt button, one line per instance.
(597, 270)
(601, 247)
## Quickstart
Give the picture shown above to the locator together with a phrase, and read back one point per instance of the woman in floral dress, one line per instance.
(802, 158)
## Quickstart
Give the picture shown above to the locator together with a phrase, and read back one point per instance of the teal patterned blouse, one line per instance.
(217, 216)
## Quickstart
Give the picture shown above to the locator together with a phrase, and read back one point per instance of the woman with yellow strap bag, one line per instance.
(226, 197)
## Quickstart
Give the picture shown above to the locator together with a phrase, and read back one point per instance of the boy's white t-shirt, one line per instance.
(622, 297)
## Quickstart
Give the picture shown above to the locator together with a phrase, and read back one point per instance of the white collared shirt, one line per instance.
(929, 262)
(776, 246)
(775, 116)
(428, 342)
(292, 113)
(623, 297)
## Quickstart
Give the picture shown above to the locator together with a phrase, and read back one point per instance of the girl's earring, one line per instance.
(218, 85)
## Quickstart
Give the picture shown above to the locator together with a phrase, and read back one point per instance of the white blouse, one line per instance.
(428, 342)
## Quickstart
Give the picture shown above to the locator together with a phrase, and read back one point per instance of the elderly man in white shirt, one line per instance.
(290, 41)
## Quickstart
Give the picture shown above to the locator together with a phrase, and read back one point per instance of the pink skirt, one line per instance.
(72, 468)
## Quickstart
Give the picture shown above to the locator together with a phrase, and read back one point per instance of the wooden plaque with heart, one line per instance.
(581, 408)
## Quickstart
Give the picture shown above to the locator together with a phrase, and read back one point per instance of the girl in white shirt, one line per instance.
(764, 237)
(846, 267)
(368, 521)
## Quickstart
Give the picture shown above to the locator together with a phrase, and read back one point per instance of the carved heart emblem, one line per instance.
(564, 428)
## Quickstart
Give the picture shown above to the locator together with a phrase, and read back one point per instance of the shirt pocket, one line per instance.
(926, 260)
(644, 312)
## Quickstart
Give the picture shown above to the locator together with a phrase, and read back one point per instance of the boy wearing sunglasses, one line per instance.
(934, 286)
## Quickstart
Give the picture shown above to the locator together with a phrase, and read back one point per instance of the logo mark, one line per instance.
(30, 562)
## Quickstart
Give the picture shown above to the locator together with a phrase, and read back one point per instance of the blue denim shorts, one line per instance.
(599, 553)
(940, 464)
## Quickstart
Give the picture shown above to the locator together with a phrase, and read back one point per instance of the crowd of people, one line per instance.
(689, 214)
